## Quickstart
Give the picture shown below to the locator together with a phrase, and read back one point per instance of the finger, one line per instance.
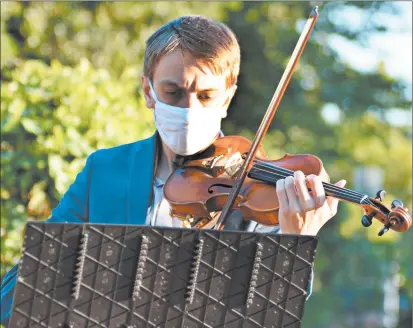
(324, 176)
(317, 190)
(307, 203)
(293, 200)
(333, 202)
(281, 194)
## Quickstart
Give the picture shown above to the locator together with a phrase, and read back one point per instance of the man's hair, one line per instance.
(211, 42)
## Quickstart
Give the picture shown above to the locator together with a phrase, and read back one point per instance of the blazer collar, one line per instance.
(141, 177)
(144, 163)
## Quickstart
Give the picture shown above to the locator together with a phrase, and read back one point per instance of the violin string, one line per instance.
(344, 193)
(273, 177)
(332, 189)
(336, 191)
(286, 172)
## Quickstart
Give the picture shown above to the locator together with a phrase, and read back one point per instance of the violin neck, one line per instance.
(344, 193)
(271, 174)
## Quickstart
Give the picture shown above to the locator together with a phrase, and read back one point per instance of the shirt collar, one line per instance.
(159, 182)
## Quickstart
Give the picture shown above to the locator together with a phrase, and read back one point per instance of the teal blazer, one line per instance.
(114, 187)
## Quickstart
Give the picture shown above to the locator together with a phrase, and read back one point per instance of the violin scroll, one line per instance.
(397, 218)
(400, 216)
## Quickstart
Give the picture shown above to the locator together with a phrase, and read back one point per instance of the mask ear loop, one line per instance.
(153, 94)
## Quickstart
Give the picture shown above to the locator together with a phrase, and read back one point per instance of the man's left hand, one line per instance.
(303, 212)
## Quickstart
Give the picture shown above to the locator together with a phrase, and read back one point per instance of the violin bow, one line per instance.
(268, 117)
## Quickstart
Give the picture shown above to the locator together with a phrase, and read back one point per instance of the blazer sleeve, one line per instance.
(72, 208)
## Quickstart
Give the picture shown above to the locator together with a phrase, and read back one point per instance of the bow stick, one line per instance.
(269, 115)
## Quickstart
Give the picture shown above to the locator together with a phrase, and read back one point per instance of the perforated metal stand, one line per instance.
(91, 275)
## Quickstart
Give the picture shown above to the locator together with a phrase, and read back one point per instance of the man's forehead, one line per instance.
(184, 71)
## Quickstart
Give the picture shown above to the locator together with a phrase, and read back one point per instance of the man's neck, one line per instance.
(165, 165)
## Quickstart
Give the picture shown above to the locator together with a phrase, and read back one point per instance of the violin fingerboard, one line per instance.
(92, 275)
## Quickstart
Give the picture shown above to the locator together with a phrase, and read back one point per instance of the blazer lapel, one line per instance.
(141, 180)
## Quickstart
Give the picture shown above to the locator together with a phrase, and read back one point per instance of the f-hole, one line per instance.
(218, 185)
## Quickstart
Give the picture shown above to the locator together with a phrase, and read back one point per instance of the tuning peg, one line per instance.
(380, 195)
(386, 228)
(396, 203)
(367, 221)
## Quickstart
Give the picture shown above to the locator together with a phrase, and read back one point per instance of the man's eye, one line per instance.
(173, 92)
(205, 97)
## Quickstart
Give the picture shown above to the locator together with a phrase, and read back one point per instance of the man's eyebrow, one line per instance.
(170, 82)
(176, 84)
(210, 89)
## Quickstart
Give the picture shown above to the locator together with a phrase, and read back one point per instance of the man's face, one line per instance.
(180, 80)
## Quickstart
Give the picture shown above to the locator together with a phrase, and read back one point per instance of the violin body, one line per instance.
(204, 186)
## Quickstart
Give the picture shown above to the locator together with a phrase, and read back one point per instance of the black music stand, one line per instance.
(95, 275)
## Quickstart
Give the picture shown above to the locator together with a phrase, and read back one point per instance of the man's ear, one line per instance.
(150, 103)
(230, 95)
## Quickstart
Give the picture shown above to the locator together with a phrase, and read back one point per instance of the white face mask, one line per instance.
(187, 131)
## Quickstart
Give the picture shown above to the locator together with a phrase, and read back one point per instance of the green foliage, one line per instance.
(53, 117)
(111, 35)
(71, 84)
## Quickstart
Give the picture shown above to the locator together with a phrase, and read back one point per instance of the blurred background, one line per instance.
(70, 84)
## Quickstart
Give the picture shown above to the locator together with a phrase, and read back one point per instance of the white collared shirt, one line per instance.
(159, 211)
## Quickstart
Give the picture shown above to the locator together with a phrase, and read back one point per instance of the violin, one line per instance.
(234, 173)
(205, 180)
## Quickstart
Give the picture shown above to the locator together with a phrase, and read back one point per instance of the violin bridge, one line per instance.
(233, 164)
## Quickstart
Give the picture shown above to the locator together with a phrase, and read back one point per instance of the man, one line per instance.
(191, 67)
